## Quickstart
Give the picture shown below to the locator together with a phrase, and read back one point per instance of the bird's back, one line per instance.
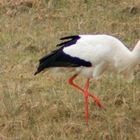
(97, 48)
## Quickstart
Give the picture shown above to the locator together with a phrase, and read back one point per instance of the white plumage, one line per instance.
(106, 53)
(91, 56)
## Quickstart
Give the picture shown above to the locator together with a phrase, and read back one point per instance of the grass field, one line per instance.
(45, 107)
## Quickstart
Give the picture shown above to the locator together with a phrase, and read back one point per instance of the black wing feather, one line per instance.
(72, 40)
(71, 37)
(58, 58)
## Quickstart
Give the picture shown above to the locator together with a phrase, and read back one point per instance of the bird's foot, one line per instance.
(97, 101)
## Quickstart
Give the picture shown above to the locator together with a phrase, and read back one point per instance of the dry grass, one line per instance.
(43, 107)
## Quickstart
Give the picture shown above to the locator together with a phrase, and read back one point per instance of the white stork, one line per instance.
(91, 56)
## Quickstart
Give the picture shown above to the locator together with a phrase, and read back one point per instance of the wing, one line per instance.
(70, 40)
(91, 48)
(58, 58)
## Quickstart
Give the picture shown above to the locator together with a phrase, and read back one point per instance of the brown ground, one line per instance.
(43, 107)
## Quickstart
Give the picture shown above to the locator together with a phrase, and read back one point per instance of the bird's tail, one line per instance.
(47, 61)
(37, 72)
(40, 68)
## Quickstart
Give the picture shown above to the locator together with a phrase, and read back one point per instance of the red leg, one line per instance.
(70, 81)
(96, 100)
(86, 100)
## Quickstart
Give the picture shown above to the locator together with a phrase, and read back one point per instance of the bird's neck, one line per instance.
(136, 53)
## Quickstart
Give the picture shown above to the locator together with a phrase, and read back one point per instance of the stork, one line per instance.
(90, 56)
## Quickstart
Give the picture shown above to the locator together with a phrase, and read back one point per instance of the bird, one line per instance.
(91, 55)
